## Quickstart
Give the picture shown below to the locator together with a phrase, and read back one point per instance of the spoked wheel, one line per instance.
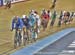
(17, 39)
(15, 43)
(25, 39)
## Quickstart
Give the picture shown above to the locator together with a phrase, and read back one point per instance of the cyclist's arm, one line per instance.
(13, 24)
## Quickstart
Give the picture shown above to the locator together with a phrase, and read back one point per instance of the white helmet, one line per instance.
(23, 16)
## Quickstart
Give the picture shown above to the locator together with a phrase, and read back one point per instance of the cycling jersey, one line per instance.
(17, 24)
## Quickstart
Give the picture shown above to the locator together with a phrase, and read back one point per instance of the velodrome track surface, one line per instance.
(61, 47)
(61, 43)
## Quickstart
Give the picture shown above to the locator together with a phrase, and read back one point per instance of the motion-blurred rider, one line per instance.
(17, 24)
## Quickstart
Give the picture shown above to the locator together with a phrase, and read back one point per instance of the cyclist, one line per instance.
(32, 22)
(53, 4)
(26, 27)
(45, 19)
(54, 14)
(71, 16)
(60, 19)
(38, 21)
(17, 24)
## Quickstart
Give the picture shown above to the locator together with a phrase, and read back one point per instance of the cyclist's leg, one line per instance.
(30, 35)
(15, 39)
(27, 34)
(19, 37)
(24, 36)
(35, 35)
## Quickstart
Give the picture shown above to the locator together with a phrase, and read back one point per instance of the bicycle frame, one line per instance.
(17, 38)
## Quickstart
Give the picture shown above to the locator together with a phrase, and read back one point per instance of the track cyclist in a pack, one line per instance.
(17, 24)
(26, 28)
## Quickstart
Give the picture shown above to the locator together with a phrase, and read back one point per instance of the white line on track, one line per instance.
(68, 51)
(2, 41)
(72, 44)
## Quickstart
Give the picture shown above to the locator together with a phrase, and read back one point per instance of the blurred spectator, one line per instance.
(8, 4)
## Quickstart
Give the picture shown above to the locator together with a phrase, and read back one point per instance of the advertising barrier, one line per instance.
(12, 1)
(1, 2)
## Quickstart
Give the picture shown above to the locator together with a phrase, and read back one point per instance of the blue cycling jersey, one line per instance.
(18, 24)
(32, 20)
